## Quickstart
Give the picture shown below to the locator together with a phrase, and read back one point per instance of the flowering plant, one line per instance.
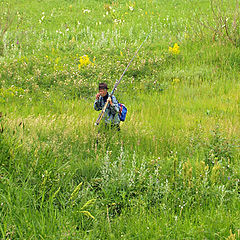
(174, 50)
(85, 61)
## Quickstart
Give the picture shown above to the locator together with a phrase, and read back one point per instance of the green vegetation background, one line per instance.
(173, 170)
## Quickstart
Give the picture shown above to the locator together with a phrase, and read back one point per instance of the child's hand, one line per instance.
(97, 96)
(110, 101)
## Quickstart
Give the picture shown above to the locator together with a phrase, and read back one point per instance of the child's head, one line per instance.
(103, 89)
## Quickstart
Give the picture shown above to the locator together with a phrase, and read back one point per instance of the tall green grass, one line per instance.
(172, 172)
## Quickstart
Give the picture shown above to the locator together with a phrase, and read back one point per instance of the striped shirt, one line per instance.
(111, 114)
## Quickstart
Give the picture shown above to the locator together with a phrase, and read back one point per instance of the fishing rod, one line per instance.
(117, 83)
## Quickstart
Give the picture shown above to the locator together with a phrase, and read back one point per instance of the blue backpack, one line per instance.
(122, 112)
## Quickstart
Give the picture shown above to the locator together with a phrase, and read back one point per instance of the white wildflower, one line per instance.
(86, 11)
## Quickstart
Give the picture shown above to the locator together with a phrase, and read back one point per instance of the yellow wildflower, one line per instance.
(175, 81)
(84, 61)
(175, 49)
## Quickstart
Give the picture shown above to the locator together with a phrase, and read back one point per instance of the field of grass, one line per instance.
(172, 172)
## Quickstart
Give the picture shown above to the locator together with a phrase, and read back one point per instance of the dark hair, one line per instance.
(103, 86)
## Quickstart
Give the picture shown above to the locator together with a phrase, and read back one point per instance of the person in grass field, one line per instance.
(111, 117)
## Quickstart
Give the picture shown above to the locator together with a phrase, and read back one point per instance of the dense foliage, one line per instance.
(172, 172)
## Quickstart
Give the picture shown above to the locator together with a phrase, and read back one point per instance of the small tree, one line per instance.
(6, 20)
(224, 21)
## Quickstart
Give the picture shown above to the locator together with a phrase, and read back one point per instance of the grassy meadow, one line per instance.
(172, 172)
